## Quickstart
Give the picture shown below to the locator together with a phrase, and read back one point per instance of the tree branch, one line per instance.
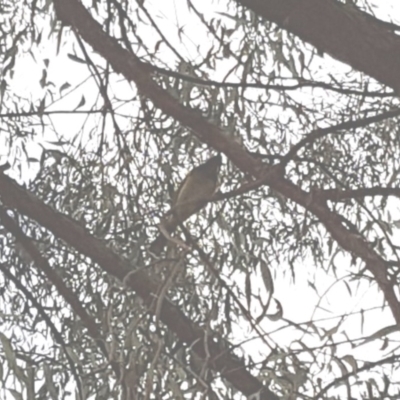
(228, 365)
(339, 195)
(344, 32)
(71, 12)
(68, 295)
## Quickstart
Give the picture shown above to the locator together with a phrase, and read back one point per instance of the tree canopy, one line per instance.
(284, 284)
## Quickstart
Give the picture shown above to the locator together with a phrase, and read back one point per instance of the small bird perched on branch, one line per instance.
(192, 195)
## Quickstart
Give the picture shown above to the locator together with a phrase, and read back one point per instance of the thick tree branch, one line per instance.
(344, 32)
(69, 296)
(229, 366)
(71, 12)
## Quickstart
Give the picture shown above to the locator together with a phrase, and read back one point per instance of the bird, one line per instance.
(192, 195)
